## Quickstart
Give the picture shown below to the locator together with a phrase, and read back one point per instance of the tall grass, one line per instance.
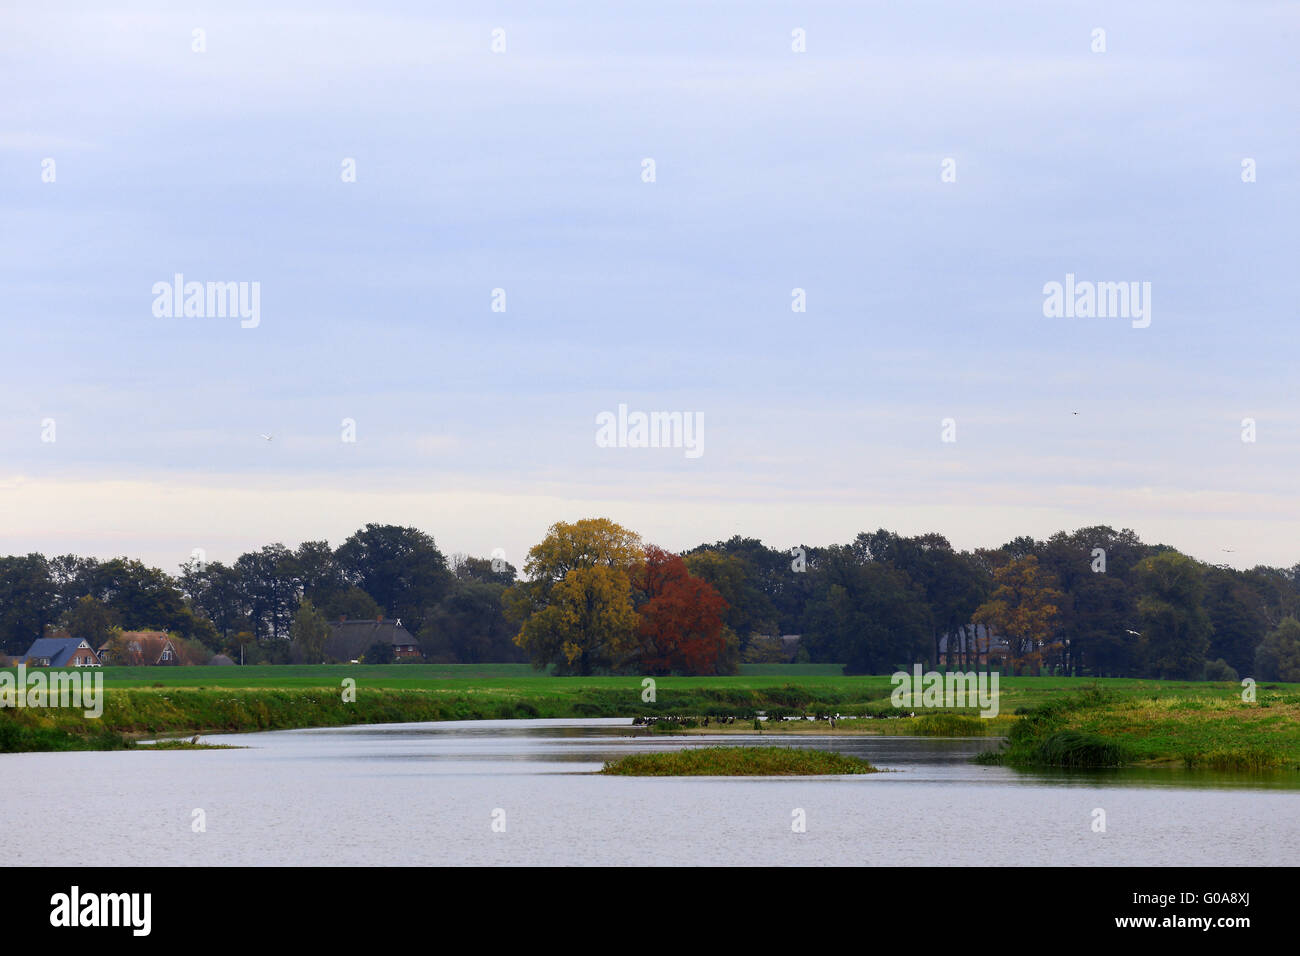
(16, 737)
(1248, 759)
(1069, 748)
(955, 725)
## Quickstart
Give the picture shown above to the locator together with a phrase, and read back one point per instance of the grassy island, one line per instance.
(737, 762)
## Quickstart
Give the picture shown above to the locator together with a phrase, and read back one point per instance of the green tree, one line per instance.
(1220, 670)
(27, 601)
(1175, 627)
(142, 598)
(1238, 615)
(486, 570)
(1278, 655)
(400, 567)
(309, 632)
(771, 573)
(749, 610)
(1098, 615)
(317, 572)
(73, 580)
(90, 620)
(271, 590)
(352, 604)
(1093, 567)
(216, 592)
(868, 614)
(469, 626)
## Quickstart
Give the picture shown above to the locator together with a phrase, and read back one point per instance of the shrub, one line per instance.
(1220, 670)
(1278, 656)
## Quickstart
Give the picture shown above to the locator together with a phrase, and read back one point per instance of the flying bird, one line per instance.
(266, 437)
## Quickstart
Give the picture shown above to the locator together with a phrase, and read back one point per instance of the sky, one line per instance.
(123, 432)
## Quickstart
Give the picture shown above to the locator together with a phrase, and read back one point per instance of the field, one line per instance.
(816, 682)
(441, 676)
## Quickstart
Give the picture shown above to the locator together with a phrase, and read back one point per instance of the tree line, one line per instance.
(594, 598)
(247, 609)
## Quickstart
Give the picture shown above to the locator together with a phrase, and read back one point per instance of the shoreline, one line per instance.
(883, 727)
(1049, 722)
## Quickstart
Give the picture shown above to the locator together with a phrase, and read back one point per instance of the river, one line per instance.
(429, 794)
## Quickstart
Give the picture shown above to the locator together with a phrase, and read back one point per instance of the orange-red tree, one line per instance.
(680, 627)
(1024, 608)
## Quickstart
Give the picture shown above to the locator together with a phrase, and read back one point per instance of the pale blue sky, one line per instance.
(521, 170)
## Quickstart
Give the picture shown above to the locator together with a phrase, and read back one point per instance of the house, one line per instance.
(349, 640)
(135, 648)
(60, 652)
(221, 660)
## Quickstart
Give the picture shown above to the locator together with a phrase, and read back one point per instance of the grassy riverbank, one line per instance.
(1099, 728)
(1177, 722)
(132, 711)
(170, 700)
(737, 762)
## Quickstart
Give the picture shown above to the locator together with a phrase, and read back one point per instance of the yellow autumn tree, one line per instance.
(588, 625)
(1023, 608)
(589, 543)
(575, 610)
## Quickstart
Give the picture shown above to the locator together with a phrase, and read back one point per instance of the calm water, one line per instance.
(424, 794)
